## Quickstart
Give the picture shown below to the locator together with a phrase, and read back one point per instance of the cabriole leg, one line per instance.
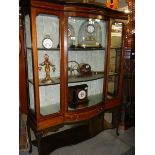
(29, 136)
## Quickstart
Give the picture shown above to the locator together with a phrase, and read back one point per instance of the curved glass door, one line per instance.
(115, 59)
(29, 61)
(86, 62)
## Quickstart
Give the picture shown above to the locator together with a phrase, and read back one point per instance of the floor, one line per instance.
(105, 143)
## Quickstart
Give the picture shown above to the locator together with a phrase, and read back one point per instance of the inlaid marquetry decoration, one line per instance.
(113, 4)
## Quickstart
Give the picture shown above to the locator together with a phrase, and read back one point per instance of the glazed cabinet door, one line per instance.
(29, 61)
(116, 60)
(48, 43)
(43, 61)
(87, 42)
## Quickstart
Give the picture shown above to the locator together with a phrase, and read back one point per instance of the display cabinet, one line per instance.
(74, 59)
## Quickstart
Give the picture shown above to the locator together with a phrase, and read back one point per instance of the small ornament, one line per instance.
(113, 4)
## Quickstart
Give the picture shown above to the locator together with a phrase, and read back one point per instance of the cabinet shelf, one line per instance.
(75, 79)
(71, 49)
(53, 108)
(49, 109)
(112, 73)
(56, 81)
(85, 49)
(94, 76)
(43, 49)
(116, 48)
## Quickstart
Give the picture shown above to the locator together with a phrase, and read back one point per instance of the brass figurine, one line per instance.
(47, 65)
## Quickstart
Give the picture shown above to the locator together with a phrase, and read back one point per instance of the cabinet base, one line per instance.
(64, 138)
(78, 133)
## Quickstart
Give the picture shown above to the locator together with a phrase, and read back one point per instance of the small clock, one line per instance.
(47, 42)
(84, 69)
(77, 95)
(90, 28)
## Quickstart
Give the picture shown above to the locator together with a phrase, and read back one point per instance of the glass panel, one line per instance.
(48, 63)
(49, 99)
(27, 31)
(115, 59)
(29, 64)
(31, 96)
(29, 61)
(86, 61)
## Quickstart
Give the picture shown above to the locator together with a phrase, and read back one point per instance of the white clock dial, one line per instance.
(82, 94)
(47, 43)
(90, 28)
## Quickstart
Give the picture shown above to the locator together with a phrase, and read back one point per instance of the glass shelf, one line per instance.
(74, 48)
(85, 49)
(94, 76)
(75, 79)
(43, 49)
(41, 83)
(112, 73)
(50, 109)
(116, 48)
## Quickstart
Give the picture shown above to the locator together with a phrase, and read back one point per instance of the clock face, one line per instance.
(90, 28)
(82, 94)
(47, 43)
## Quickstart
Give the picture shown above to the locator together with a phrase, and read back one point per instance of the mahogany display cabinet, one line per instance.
(74, 62)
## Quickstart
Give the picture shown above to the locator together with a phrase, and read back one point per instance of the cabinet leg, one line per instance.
(117, 133)
(29, 137)
(116, 118)
(38, 139)
(96, 125)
